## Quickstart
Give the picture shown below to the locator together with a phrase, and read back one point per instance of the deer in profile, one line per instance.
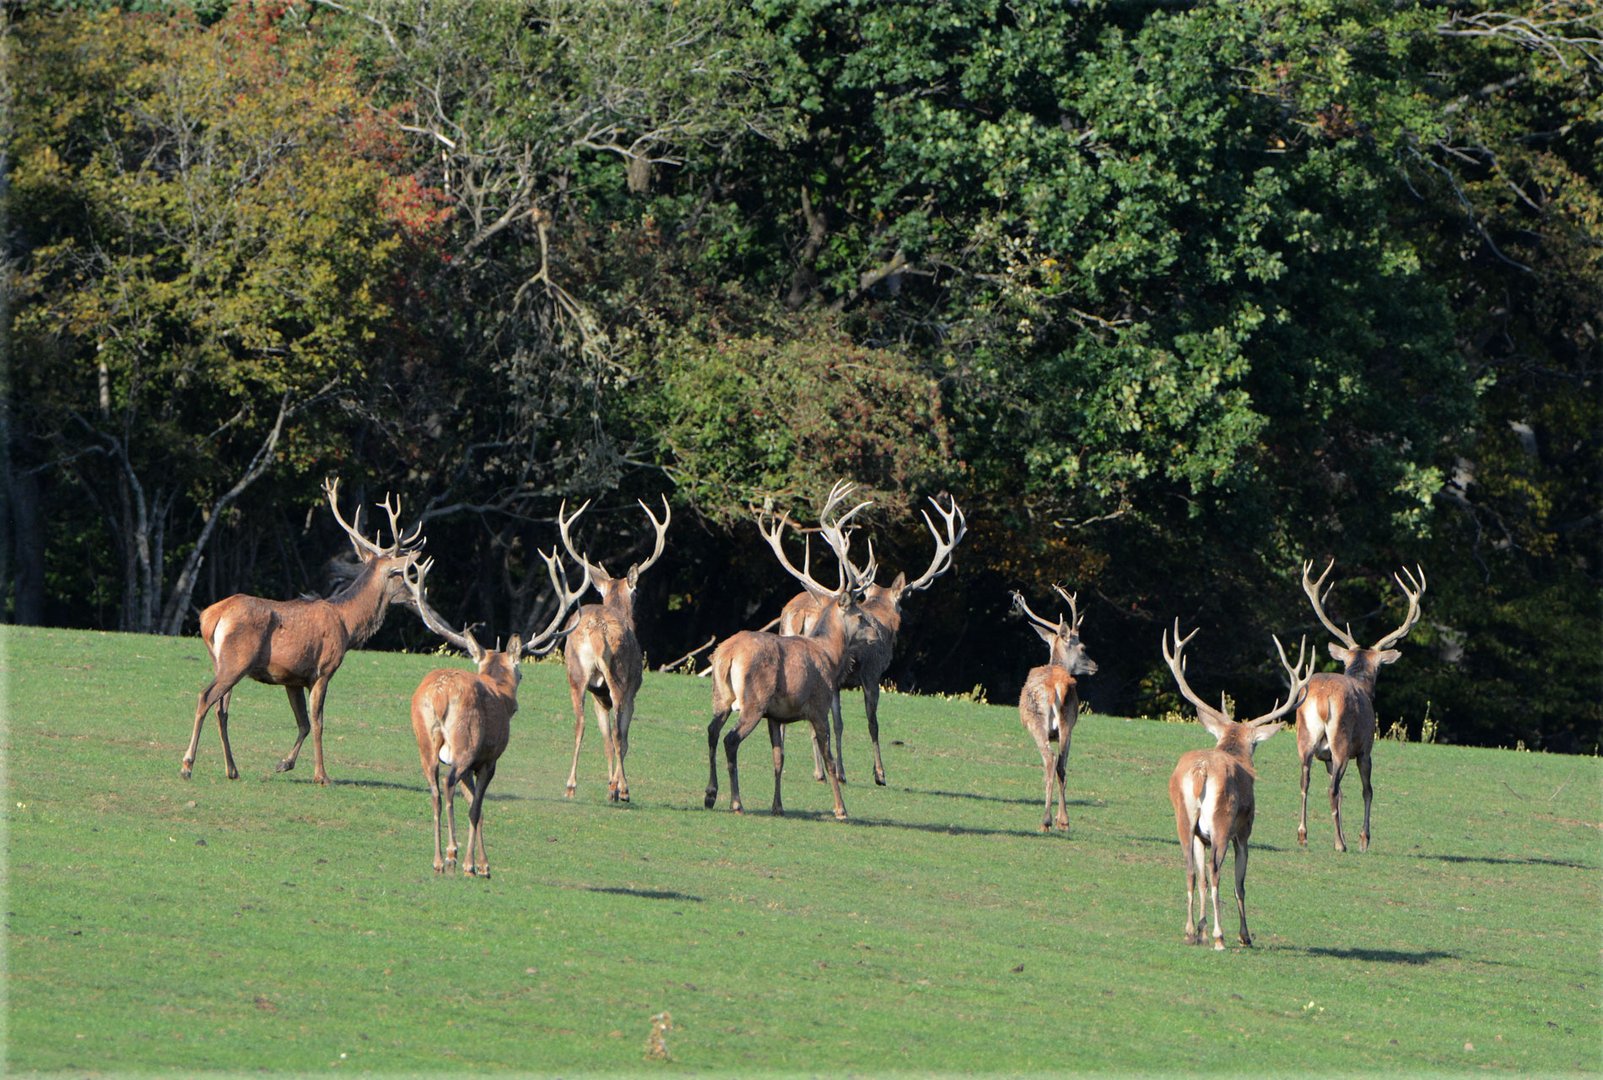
(1211, 790)
(300, 644)
(463, 719)
(603, 654)
(1337, 722)
(1049, 704)
(785, 678)
(873, 645)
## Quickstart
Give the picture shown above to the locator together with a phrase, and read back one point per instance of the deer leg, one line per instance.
(820, 773)
(1337, 769)
(776, 738)
(749, 716)
(1302, 820)
(1216, 864)
(431, 773)
(1196, 887)
(719, 718)
(475, 809)
(223, 705)
(319, 691)
(450, 819)
(303, 727)
(1062, 778)
(1241, 887)
(1369, 793)
(486, 774)
(871, 706)
(576, 690)
(1048, 762)
(623, 716)
(821, 731)
(839, 739)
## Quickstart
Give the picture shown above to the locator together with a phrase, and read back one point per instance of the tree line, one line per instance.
(1170, 297)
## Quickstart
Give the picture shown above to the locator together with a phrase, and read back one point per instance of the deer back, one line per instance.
(1049, 690)
(472, 710)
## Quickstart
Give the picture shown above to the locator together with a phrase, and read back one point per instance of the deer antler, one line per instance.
(1023, 607)
(941, 562)
(661, 528)
(1299, 675)
(1317, 598)
(364, 546)
(415, 573)
(1210, 716)
(538, 644)
(1413, 596)
(834, 534)
(592, 571)
(1075, 618)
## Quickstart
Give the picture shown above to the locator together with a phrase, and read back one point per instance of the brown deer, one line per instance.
(1211, 790)
(785, 679)
(603, 654)
(1049, 704)
(1337, 722)
(300, 644)
(872, 647)
(462, 719)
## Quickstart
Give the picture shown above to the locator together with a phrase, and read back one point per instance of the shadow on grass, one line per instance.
(754, 810)
(419, 788)
(1501, 861)
(644, 894)
(1006, 799)
(1381, 956)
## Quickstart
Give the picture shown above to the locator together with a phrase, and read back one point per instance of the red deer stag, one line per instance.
(463, 719)
(603, 654)
(300, 644)
(1049, 704)
(1211, 790)
(1337, 722)
(785, 679)
(872, 647)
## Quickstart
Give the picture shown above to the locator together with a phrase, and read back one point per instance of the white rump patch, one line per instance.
(445, 754)
(219, 632)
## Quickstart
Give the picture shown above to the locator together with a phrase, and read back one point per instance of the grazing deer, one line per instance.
(1211, 790)
(1337, 722)
(871, 648)
(603, 654)
(300, 644)
(785, 679)
(1049, 704)
(463, 719)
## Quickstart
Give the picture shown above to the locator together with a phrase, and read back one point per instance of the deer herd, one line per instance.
(831, 637)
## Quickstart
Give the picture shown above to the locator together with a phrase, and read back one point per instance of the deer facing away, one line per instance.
(300, 644)
(1211, 790)
(1336, 723)
(873, 645)
(785, 679)
(463, 719)
(603, 654)
(1049, 704)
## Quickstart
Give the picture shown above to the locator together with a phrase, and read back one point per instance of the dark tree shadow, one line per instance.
(1004, 799)
(1380, 956)
(1499, 861)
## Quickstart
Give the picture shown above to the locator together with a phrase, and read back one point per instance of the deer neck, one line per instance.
(363, 606)
(830, 634)
(619, 602)
(1362, 669)
(1237, 744)
(884, 610)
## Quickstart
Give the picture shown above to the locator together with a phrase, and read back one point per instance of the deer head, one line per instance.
(391, 561)
(947, 537)
(1062, 638)
(1242, 736)
(533, 642)
(614, 590)
(1357, 661)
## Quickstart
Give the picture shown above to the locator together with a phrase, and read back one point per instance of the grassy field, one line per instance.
(158, 925)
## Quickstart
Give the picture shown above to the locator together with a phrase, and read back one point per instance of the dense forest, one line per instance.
(1170, 297)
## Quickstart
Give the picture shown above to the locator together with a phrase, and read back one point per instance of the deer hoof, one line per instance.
(1302, 837)
(1363, 841)
(1046, 826)
(1218, 944)
(1193, 938)
(1246, 941)
(233, 774)
(322, 781)
(284, 766)
(184, 771)
(710, 799)
(840, 815)
(612, 795)
(568, 792)
(879, 778)
(623, 796)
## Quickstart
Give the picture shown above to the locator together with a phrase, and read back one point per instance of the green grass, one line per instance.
(268, 924)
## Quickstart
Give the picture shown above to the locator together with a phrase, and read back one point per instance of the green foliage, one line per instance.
(281, 926)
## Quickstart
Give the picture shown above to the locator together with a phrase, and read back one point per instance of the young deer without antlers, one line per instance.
(1211, 790)
(1049, 704)
(603, 654)
(1337, 722)
(299, 644)
(784, 679)
(463, 718)
(873, 645)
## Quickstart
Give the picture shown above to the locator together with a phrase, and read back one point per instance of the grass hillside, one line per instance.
(155, 924)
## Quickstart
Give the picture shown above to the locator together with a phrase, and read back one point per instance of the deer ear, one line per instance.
(515, 647)
(1048, 634)
(634, 576)
(899, 584)
(1263, 731)
(1340, 655)
(1388, 656)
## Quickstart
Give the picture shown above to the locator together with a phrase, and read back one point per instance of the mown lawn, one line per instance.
(154, 924)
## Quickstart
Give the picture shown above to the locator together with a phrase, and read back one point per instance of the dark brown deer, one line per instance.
(1337, 722)
(874, 644)
(785, 678)
(463, 719)
(300, 644)
(603, 654)
(1211, 790)
(1049, 704)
